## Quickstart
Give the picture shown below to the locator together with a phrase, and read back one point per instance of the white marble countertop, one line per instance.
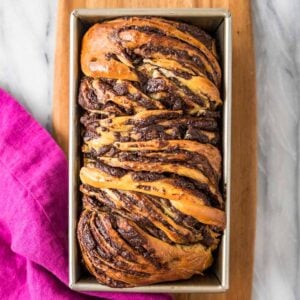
(27, 33)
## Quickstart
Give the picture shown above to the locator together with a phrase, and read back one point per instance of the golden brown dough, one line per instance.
(152, 208)
(150, 38)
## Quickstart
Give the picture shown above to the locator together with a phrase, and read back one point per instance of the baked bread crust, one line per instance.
(152, 208)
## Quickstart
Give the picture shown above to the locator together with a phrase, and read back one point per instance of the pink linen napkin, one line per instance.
(34, 212)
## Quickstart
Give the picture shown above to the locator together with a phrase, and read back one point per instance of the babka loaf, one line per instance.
(152, 207)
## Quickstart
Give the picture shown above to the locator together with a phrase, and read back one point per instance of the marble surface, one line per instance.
(26, 68)
(277, 36)
(27, 35)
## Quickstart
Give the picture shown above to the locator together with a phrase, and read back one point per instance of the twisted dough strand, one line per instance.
(152, 208)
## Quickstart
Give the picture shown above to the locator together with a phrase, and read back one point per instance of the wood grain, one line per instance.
(244, 161)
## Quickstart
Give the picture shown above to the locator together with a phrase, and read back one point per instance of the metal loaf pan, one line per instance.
(216, 22)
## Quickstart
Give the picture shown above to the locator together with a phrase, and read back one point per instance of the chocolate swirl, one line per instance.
(152, 208)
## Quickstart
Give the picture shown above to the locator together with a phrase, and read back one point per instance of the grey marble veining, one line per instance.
(27, 32)
(277, 253)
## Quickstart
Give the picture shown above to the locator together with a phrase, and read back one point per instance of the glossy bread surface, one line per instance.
(152, 208)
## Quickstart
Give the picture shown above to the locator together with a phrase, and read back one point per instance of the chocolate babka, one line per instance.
(152, 206)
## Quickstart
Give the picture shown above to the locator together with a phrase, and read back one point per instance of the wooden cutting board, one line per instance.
(244, 141)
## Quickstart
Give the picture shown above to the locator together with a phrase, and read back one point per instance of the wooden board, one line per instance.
(244, 162)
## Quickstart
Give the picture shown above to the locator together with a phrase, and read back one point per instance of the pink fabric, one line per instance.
(33, 218)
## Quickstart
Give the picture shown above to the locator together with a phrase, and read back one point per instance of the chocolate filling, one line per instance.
(147, 49)
(147, 176)
(145, 203)
(155, 85)
(192, 158)
(195, 187)
(135, 240)
(120, 89)
(155, 118)
(197, 33)
(114, 227)
(177, 53)
(113, 171)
